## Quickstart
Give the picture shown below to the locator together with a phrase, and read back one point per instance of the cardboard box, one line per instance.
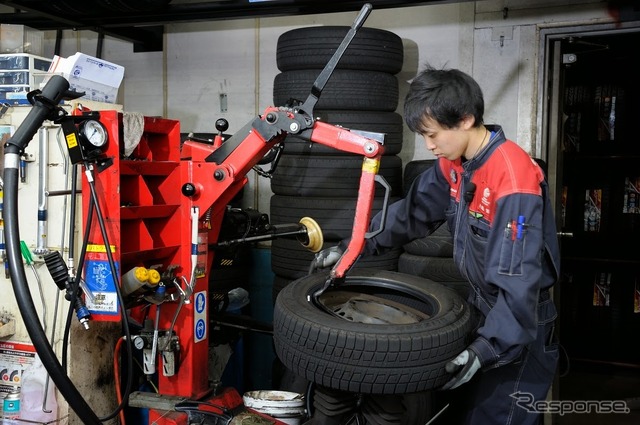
(97, 78)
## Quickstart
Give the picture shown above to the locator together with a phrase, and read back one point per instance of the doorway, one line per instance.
(590, 142)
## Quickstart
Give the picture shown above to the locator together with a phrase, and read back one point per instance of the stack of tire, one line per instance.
(431, 257)
(321, 182)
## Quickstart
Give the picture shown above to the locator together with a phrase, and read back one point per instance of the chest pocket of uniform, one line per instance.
(478, 232)
(511, 252)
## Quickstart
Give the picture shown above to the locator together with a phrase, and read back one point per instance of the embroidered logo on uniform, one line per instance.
(476, 214)
(454, 176)
(485, 202)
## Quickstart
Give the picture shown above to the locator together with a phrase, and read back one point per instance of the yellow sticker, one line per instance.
(72, 142)
(99, 248)
(371, 165)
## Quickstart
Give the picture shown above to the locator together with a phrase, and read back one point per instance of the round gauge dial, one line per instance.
(94, 132)
(138, 342)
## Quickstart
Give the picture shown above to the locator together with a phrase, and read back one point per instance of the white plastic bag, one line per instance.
(33, 381)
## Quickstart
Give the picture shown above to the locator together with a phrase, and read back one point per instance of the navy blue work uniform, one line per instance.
(504, 234)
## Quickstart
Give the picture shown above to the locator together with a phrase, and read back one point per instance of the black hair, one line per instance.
(444, 95)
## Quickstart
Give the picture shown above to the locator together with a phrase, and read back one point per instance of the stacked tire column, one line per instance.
(321, 182)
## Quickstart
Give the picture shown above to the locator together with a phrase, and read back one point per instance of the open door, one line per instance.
(593, 151)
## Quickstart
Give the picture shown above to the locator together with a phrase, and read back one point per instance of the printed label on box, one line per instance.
(601, 289)
(631, 195)
(15, 357)
(592, 210)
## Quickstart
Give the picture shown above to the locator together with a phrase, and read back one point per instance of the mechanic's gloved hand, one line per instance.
(464, 366)
(327, 257)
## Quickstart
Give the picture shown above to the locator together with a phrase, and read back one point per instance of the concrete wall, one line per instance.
(237, 58)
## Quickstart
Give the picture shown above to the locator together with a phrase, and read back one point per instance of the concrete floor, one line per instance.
(585, 383)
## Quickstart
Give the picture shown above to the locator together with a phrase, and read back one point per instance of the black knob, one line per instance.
(271, 118)
(222, 125)
(218, 174)
(189, 189)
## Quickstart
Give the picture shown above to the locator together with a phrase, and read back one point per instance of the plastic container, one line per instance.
(34, 382)
(133, 280)
(285, 406)
(11, 405)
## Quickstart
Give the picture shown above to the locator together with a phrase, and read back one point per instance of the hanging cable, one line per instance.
(114, 272)
(73, 288)
(116, 374)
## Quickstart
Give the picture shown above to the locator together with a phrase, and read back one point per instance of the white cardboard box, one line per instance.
(97, 78)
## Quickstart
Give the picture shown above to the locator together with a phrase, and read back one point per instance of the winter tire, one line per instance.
(331, 176)
(334, 215)
(437, 244)
(313, 47)
(425, 325)
(438, 269)
(345, 90)
(290, 259)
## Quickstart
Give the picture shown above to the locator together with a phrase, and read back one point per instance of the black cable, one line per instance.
(44, 107)
(74, 291)
(114, 272)
(72, 220)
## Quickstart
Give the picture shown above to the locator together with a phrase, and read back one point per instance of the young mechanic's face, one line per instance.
(449, 143)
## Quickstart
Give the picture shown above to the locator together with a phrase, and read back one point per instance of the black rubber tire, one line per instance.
(345, 90)
(388, 123)
(437, 244)
(331, 176)
(333, 215)
(279, 282)
(290, 259)
(334, 407)
(439, 269)
(370, 358)
(313, 47)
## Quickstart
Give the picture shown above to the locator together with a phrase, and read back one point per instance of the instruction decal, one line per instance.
(200, 319)
(103, 298)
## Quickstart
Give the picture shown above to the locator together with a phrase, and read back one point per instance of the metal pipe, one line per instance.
(65, 156)
(43, 182)
(57, 192)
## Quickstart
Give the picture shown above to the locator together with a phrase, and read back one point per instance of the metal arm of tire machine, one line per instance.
(212, 175)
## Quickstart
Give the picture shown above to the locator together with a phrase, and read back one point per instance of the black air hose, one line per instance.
(45, 106)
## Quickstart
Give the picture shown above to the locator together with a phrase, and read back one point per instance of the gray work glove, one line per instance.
(464, 366)
(327, 257)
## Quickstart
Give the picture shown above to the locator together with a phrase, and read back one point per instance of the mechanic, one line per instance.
(493, 196)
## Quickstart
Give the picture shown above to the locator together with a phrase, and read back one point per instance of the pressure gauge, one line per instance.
(138, 342)
(94, 133)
